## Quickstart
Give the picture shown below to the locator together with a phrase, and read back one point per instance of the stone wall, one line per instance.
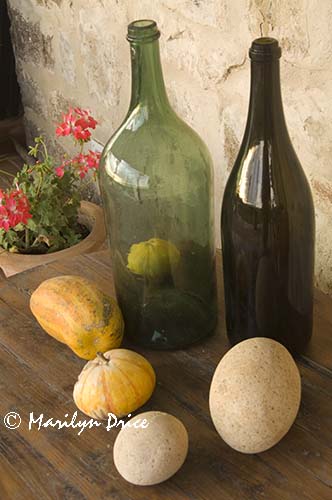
(75, 52)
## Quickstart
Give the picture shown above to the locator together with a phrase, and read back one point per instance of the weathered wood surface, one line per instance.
(37, 375)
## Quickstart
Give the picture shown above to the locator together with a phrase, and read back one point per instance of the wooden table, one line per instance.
(37, 375)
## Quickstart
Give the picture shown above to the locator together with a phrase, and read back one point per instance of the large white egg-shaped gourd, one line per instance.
(255, 395)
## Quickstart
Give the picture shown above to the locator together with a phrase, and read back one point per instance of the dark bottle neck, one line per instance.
(266, 116)
(148, 88)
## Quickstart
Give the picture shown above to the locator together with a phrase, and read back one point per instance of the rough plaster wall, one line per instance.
(75, 52)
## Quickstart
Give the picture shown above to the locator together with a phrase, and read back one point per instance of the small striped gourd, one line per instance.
(118, 381)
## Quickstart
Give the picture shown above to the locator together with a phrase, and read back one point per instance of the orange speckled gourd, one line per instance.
(74, 311)
(118, 381)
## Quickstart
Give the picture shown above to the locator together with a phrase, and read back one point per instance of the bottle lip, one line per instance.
(264, 49)
(143, 31)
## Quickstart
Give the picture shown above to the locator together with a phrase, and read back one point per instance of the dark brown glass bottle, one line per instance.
(267, 222)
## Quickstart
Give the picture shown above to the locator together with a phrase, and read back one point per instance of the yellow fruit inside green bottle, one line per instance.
(153, 259)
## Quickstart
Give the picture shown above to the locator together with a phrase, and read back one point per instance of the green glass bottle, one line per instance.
(268, 223)
(157, 189)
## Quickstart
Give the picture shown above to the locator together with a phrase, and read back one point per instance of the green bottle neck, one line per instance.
(148, 87)
(266, 116)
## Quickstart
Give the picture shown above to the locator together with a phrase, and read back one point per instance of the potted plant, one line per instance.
(42, 216)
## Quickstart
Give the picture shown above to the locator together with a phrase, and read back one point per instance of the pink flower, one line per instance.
(77, 122)
(59, 171)
(81, 112)
(85, 120)
(81, 134)
(83, 170)
(92, 159)
(79, 162)
(63, 129)
(82, 163)
(4, 219)
(14, 209)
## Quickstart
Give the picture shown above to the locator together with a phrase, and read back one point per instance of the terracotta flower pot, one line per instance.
(90, 215)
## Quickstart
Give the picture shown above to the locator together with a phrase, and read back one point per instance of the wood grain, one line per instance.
(37, 375)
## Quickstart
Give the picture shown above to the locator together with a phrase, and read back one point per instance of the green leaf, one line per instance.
(31, 225)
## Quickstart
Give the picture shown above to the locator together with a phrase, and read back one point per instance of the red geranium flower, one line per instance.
(77, 122)
(59, 171)
(92, 159)
(81, 162)
(14, 209)
(81, 134)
